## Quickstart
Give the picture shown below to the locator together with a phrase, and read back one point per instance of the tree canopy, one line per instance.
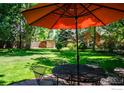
(16, 33)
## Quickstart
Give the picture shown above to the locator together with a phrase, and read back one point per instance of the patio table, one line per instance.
(86, 72)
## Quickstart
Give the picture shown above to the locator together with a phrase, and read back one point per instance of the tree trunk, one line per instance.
(20, 40)
(28, 37)
(28, 43)
(2, 43)
(94, 37)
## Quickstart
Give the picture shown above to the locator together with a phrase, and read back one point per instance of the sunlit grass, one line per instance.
(15, 64)
(100, 57)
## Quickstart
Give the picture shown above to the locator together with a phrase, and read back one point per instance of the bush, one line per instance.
(59, 45)
(121, 46)
(71, 46)
(82, 46)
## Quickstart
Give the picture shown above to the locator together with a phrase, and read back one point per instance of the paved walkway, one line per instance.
(49, 83)
(26, 82)
(47, 80)
(50, 80)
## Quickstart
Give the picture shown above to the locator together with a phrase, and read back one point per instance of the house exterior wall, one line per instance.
(43, 44)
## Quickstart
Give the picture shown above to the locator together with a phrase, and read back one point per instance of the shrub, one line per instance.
(82, 46)
(71, 46)
(59, 45)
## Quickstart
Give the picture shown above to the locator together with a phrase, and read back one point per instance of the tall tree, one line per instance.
(94, 37)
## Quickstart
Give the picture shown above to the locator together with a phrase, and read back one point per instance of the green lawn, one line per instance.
(15, 64)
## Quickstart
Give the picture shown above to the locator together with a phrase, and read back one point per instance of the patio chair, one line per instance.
(39, 72)
(42, 78)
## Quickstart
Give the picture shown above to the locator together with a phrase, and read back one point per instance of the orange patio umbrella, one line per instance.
(73, 16)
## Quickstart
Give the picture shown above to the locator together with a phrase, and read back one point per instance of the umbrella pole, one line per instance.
(77, 37)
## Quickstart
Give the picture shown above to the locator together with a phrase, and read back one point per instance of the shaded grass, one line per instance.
(15, 63)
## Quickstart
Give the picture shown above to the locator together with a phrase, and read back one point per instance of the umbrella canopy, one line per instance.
(62, 15)
(73, 16)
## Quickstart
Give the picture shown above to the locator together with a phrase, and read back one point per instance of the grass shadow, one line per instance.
(23, 52)
(2, 82)
(24, 82)
(107, 61)
(50, 61)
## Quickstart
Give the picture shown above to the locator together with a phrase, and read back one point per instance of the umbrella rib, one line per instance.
(59, 18)
(61, 14)
(85, 9)
(39, 7)
(109, 7)
(46, 15)
(93, 14)
(64, 10)
(65, 15)
(90, 11)
(75, 10)
(82, 14)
